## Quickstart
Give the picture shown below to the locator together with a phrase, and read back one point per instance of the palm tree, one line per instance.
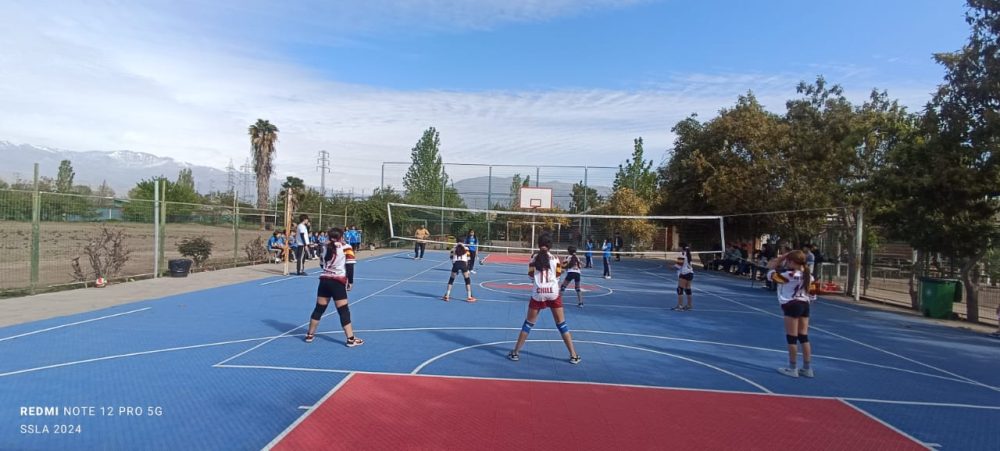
(263, 136)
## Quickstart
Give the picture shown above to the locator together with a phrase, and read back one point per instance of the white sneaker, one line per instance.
(806, 372)
(473, 271)
(607, 277)
(790, 372)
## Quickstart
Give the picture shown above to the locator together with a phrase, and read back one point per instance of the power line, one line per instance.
(323, 165)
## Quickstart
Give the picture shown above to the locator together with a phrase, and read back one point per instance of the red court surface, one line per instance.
(416, 412)
(508, 259)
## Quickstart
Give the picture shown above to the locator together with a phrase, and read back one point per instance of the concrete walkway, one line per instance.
(51, 305)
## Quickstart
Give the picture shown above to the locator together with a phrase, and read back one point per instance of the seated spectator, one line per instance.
(276, 245)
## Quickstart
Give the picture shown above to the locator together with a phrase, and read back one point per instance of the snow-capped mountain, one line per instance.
(120, 168)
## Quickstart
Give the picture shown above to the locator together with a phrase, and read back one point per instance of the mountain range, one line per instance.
(122, 169)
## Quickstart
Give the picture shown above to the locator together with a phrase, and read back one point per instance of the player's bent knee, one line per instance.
(468, 281)
(803, 338)
(680, 290)
(791, 339)
(563, 328)
(526, 327)
(687, 291)
(318, 312)
(451, 280)
(345, 314)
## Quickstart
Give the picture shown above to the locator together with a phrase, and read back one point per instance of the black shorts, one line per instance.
(329, 288)
(796, 309)
(573, 277)
(460, 267)
(688, 277)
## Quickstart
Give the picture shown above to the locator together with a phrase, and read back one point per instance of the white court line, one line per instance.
(305, 407)
(612, 384)
(73, 324)
(131, 354)
(394, 280)
(884, 423)
(592, 305)
(324, 316)
(305, 415)
(320, 271)
(876, 348)
(687, 359)
(285, 368)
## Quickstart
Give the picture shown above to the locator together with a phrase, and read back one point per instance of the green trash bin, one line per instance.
(938, 295)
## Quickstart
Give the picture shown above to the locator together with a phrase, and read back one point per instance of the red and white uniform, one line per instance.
(791, 286)
(350, 259)
(334, 268)
(545, 289)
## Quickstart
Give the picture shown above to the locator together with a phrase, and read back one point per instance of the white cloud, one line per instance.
(125, 77)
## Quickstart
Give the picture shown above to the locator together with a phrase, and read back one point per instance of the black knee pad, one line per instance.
(803, 339)
(680, 290)
(468, 281)
(687, 291)
(318, 312)
(451, 280)
(791, 339)
(345, 314)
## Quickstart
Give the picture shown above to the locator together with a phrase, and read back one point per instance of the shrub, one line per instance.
(197, 249)
(256, 250)
(107, 251)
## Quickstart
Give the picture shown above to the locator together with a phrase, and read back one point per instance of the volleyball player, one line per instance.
(544, 273)
(685, 274)
(460, 264)
(791, 274)
(573, 266)
(333, 285)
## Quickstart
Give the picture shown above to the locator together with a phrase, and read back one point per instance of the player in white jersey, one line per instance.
(791, 273)
(544, 272)
(573, 265)
(685, 274)
(460, 264)
(333, 285)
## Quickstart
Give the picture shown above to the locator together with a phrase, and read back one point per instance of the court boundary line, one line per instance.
(613, 384)
(528, 292)
(863, 344)
(301, 418)
(417, 329)
(328, 314)
(284, 278)
(597, 305)
(72, 324)
(687, 359)
(884, 423)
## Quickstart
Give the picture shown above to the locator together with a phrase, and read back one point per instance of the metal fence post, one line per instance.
(163, 224)
(36, 207)
(156, 229)
(236, 232)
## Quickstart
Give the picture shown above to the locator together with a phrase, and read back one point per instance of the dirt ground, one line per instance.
(62, 241)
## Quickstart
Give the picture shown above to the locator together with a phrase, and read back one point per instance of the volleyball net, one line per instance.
(518, 231)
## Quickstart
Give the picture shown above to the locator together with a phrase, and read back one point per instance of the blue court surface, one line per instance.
(227, 368)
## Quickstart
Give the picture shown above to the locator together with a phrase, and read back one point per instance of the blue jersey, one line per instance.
(275, 241)
(607, 249)
(352, 236)
(472, 243)
(590, 249)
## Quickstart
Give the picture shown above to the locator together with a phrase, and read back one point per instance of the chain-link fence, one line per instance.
(485, 186)
(53, 240)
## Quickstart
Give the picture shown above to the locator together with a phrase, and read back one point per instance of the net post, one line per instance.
(36, 206)
(156, 229)
(858, 251)
(392, 231)
(722, 234)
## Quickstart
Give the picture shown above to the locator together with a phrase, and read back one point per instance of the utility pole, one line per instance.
(323, 165)
(231, 178)
(245, 176)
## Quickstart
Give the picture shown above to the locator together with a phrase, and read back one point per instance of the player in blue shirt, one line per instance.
(472, 244)
(276, 245)
(590, 252)
(607, 247)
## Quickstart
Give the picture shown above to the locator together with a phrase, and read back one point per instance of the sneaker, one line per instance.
(806, 372)
(446, 298)
(574, 359)
(513, 356)
(790, 372)
(354, 341)
(309, 338)
(470, 299)
(579, 304)
(688, 307)
(473, 271)
(677, 308)
(607, 277)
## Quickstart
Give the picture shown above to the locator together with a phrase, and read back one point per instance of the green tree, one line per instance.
(637, 232)
(180, 200)
(516, 183)
(426, 182)
(637, 174)
(3, 184)
(185, 178)
(944, 189)
(263, 138)
(298, 187)
(64, 181)
(372, 215)
(584, 198)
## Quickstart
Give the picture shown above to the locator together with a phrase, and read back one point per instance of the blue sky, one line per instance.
(504, 81)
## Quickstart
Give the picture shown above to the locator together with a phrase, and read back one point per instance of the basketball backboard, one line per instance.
(536, 198)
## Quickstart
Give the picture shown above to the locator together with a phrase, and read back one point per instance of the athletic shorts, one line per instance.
(541, 305)
(688, 277)
(573, 277)
(796, 309)
(329, 288)
(459, 267)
